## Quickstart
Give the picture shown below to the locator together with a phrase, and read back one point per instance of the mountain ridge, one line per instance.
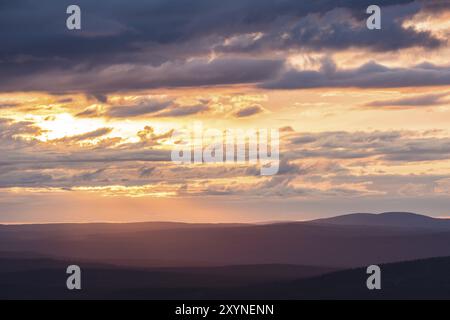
(387, 219)
(181, 224)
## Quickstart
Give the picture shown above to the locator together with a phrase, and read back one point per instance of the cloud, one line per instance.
(89, 112)
(313, 165)
(149, 107)
(369, 75)
(90, 175)
(170, 45)
(248, 111)
(114, 78)
(144, 108)
(100, 97)
(146, 172)
(8, 105)
(65, 100)
(19, 179)
(338, 29)
(388, 146)
(415, 101)
(85, 136)
(11, 131)
(148, 136)
(108, 34)
(182, 111)
(287, 129)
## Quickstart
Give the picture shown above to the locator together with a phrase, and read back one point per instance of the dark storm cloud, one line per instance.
(197, 72)
(339, 29)
(436, 5)
(157, 40)
(369, 75)
(113, 26)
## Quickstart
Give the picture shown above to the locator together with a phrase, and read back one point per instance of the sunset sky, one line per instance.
(86, 117)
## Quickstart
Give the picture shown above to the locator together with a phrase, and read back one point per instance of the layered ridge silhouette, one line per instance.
(348, 241)
(184, 261)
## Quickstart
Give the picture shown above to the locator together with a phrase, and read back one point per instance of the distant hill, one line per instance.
(421, 279)
(294, 260)
(388, 219)
(184, 245)
(43, 278)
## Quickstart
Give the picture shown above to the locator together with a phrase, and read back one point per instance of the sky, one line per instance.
(87, 116)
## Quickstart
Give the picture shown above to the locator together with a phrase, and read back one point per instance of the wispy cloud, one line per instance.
(369, 75)
(412, 101)
(248, 111)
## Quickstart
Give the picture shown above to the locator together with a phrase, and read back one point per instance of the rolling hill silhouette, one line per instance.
(292, 260)
(318, 243)
(388, 219)
(45, 279)
(420, 279)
